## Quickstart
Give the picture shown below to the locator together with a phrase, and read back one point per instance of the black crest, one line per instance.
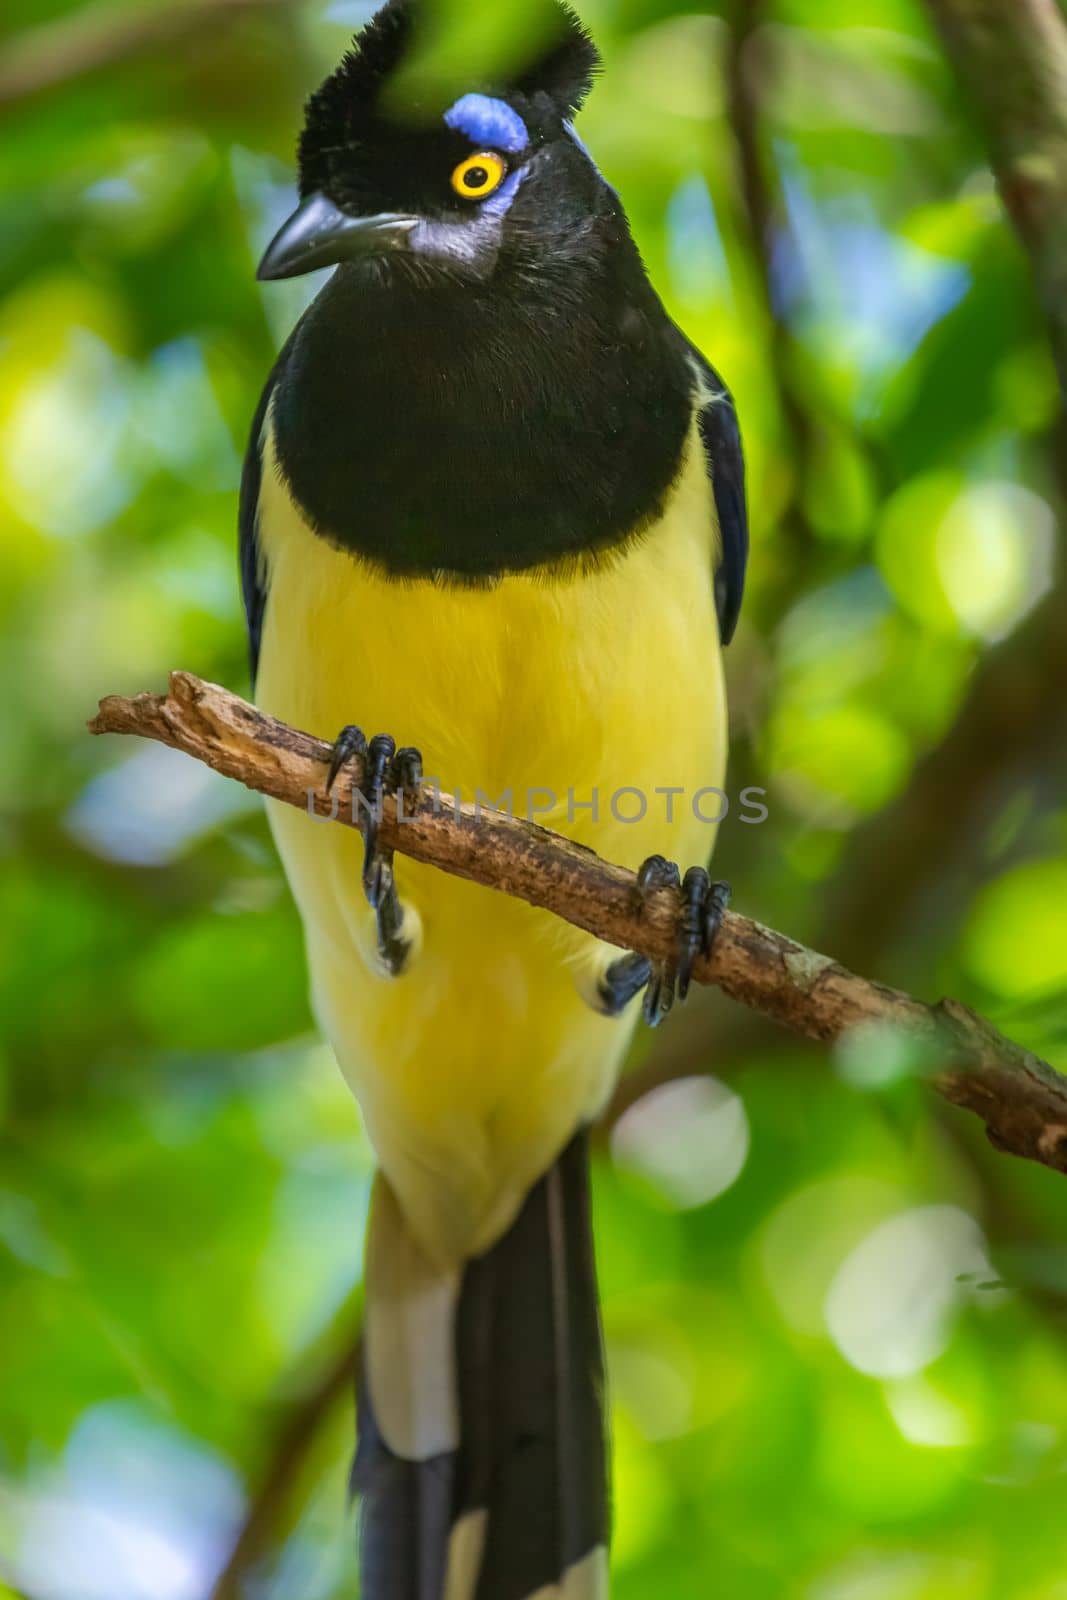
(343, 111)
(566, 65)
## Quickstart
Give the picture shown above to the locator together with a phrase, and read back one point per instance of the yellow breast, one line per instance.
(577, 698)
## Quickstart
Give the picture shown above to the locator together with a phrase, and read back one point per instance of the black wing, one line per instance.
(721, 438)
(253, 578)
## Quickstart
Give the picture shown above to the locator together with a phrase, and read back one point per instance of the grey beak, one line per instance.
(318, 234)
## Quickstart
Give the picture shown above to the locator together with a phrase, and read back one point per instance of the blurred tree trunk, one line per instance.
(1011, 58)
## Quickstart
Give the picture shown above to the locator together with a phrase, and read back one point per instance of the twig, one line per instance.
(1022, 1101)
(105, 36)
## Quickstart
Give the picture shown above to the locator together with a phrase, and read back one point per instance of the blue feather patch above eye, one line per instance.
(489, 123)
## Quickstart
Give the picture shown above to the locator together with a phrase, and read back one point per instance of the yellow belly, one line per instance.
(476, 1065)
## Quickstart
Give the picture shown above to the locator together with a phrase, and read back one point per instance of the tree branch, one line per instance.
(103, 36)
(294, 1439)
(1022, 1101)
(761, 208)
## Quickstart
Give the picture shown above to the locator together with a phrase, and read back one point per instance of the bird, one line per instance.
(493, 505)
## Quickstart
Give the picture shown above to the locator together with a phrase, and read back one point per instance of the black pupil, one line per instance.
(475, 177)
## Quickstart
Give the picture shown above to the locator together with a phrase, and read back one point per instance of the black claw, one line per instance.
(692, 936)
(377, 878)
(627, 977)
(380, 753)
(659, 995)
(392, 947)
(350, 742)
(406, 776)
(702, 903)
(623, 979)
(385, 771)
(718, 903)
(656, 872)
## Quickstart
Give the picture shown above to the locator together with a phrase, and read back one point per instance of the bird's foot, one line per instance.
(703, 901)
(386, 771)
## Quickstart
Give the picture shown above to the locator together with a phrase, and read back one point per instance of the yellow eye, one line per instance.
(478, 176)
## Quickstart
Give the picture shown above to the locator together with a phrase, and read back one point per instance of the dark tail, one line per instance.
(481, 1454)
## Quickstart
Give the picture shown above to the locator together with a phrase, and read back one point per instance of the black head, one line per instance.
(393, 167)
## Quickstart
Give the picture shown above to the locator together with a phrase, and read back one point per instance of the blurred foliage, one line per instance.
(835, 1319)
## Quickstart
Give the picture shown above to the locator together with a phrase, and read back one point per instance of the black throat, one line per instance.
(437, 425)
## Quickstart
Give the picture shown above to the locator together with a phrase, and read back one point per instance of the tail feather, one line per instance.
(405, 1516)
(531, 1382)
(408, 1420)
(517, 1508)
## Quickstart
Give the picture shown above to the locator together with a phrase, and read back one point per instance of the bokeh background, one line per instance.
(836, 1319)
